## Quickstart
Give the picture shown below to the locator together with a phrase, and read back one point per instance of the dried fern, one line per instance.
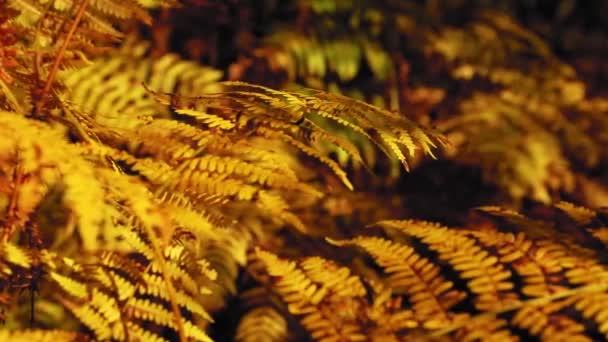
(140, 196)
(507, 282)
(521, 131)
(147, 198)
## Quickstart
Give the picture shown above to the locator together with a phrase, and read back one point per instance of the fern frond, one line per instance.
(110, 88)
(333, 166)
(593, 306)
(147, 310)
(250, 172)
(487, 278)
(338, 280)
(261, 324)
(487, 328)
(544, 321)
(93, 320)
(524, 157)
(315, 57)
(523, 132)
(303, 296)
(430, 295)
(56, 159)
(141, 334)
(71, 286)
(580, 215)
(540, 269)
(277, 115)
(601, 234)
(15, 255)
(373, 121)
(108, 307)
(40, 335)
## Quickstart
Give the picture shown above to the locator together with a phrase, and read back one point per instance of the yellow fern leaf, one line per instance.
(486, 277)
(303, 297)
(580, 215)
(70, 285)
(39, 336)
(16, 255)
(262, 324)
(429, 293)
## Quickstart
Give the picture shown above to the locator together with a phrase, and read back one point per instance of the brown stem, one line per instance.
(59, 57)
(33, 284)
(13, 206)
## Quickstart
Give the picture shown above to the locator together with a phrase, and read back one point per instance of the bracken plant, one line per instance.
(145, 196)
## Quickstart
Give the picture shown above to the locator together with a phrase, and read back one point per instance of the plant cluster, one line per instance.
(146, 196)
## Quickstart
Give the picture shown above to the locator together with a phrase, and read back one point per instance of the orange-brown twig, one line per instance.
(57, 61)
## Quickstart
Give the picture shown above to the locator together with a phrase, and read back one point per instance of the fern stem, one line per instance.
(12, 214)
(55, 68)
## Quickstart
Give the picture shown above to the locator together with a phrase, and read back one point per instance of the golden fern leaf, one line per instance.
(210, 175)
(124, 287)
(99, 301)
(601, 234)
(520, 132)
(372, 119)
(147, 310)
(278, 114)
(138, 333)
(250, 172)
(488, 279)
(98, 15)
(40, 335)
(580, 215)
(303, 297)
(516, 153)
(15, 255)
(332, 303)
(314, 153)
(260, 325)
(593, 306)
(184, 300)
(540, 268)
(430, 295)
(194, 221)
(316, 133)
(487, 328)
(512, 279)
(106, 298)
(79, 184)
(544, 231)
(545, 322)
(92, 320)
(38, 22)
(109, 309)
(109, 89)
(552, 270)
(95, 308)
(226, 254)
(71, 286)
(338, 280)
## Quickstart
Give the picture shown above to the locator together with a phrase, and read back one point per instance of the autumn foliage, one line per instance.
(301, 170)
